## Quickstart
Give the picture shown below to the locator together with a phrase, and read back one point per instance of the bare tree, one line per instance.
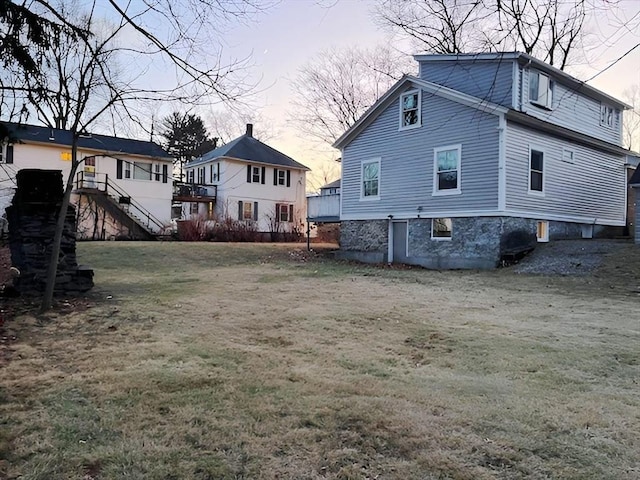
(631, 124)
(550, 30)
(78, 81)
(338, 86)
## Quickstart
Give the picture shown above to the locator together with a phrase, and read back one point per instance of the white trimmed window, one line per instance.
(284, 212)
(536, 171)
(441, 228)
(127, 170)
(410, 108)
(141, 171)
(608, 115)
(370, 180)
(446, 170)
(201, 175)
(540, 89)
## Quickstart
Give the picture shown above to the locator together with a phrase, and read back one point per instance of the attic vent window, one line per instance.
(410, 110)
(540, 90)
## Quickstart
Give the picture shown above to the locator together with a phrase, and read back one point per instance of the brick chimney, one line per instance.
(249, 129)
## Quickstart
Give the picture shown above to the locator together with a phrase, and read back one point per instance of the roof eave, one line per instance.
(433, 88)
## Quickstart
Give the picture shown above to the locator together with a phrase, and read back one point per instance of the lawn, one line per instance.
(212, 361)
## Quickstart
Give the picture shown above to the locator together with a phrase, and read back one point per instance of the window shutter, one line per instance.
(291, 213)
(275, 176)
(264, 175)
(277, 213)
(218, 171)
(255, 210)
(240, 217)
(119, 168)
(9, 158)
(165, 173)
(248, 173)
(288, 178)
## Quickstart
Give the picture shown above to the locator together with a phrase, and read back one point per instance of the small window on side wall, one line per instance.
(447, 170)
(536, 171)
(410, 110)
(370, 180)
(540, 90)
(542, 231)
(441, 229)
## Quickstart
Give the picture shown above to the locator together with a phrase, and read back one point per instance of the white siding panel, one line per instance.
(572, 109)
(406, 171)
(491, 81)
(593, 186)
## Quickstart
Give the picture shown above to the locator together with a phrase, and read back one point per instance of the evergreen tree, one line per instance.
(186, 138)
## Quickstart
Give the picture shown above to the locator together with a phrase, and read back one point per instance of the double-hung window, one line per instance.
(410, 109)
(536, 171)
(608, 115)
(141, 171)
(447, 170)
(284, 212)
(281, 177)
(370, 180)
(540, 89)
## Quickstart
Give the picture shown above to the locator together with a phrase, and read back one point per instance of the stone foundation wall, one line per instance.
(476, 242)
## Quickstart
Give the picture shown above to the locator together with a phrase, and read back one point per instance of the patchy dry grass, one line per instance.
(210, 361)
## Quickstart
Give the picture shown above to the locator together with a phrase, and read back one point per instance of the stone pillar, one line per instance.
(32, 224)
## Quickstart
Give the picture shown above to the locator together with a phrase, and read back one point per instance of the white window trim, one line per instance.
(550, 87)
(544, 170)
(377, 160)
(418, 124)
(443, 239)
(452, 191)
(614, 115)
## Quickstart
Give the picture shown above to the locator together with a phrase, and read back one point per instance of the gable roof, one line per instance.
(105, 143)
(526, 59)
(249, 149)
(334, 184)
(390, 96)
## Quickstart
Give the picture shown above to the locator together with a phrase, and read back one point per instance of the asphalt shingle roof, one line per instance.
(251, 150)
(56, 136)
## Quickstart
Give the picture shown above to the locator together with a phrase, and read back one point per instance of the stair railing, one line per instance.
(101, 182)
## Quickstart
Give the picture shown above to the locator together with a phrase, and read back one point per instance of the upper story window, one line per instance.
(201, 175)
(540, 89)
(446, 170)
(255, 174)
(370, 180)
(536, 171)
(127, 170)
(214, 171)
(191, 176)
(608, 115)
(282, 177)
(410, 109)
(141, 171)
(6, 153)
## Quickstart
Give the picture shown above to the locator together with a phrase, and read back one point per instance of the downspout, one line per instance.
(390, 240)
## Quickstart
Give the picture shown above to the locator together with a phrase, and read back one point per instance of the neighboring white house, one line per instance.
(246, 180)
(122, 188)
(477, 158)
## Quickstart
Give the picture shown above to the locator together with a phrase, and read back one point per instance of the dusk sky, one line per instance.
(286, 36)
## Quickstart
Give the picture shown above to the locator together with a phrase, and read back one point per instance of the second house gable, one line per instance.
(447, 164)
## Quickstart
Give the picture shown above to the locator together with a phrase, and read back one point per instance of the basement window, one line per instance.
(441, 229)
(542, 231)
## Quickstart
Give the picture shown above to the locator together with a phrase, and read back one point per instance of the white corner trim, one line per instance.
(502, 162)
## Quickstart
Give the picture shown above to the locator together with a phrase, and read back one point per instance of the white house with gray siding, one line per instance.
(479, 157)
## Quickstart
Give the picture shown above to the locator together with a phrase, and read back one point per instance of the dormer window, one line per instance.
(540, 90)
(608, 115)
(410, 110)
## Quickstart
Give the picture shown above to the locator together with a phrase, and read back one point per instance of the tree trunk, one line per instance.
(52, 270)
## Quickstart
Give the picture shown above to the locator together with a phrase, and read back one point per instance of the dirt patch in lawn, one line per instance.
(240, 361)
